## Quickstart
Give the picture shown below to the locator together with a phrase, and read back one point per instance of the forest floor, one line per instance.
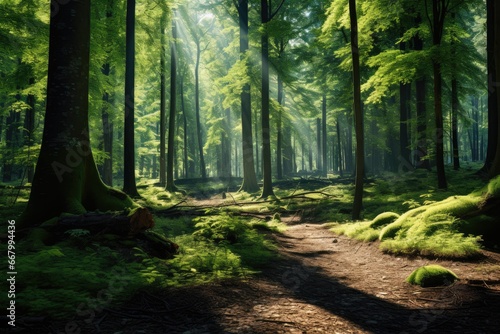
(323, 283)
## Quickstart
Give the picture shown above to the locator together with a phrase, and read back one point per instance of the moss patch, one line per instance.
(432, 275)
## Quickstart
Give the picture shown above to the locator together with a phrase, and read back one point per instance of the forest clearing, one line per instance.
(236, 166)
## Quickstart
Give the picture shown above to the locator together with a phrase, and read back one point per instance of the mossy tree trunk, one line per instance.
(66, 177)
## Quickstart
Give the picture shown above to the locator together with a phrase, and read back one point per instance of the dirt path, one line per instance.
(323, 284)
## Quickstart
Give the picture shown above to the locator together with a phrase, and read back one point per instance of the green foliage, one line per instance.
(220, 228)
(58, 280)
(432, 275)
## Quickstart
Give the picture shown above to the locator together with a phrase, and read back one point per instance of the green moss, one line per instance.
(432, 275)
(359, 231)
(384, 219)
(493, 188)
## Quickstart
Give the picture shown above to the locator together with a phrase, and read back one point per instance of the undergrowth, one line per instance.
(440, 224)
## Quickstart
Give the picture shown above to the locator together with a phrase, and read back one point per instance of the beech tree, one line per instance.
(66, 177)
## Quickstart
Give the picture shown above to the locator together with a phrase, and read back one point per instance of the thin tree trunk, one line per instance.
(163, 101)
(318, 145)
(203, 169)
(358, 116)
(454, 123)
(324, 134)
(339, 143)
(170, 186)
(249, 178)
(279, 145)
(129, 185)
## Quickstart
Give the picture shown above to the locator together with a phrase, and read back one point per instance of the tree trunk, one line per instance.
(324, 170)
(129, 185)
(267, 188)
(404, 114)
(107, 133)
(279, 146)
(185, 131)
(170, 186)
(495, 168)
(358, 116)
(492, 88)
(203, 169)
(454, 123)
(438, 13)
(339, 143)
(318, 145)
(163, 99)
(66, 177)
(249, 178)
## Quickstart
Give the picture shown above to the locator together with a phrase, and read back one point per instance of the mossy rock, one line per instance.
(384, 219)
(432, 275)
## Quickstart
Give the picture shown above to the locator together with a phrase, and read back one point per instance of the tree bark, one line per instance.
(324, 170)
(129, 185)
(439, 9)
(170, 186)
(203, 169)
(358, 116)
(163, 99)
(495, 168)
(249, 178)
(267, 188)
(492, 88)
(66, 177)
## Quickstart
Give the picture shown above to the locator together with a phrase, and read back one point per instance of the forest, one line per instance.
(236, 166)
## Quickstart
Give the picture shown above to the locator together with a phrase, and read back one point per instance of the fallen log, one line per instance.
(119, 223)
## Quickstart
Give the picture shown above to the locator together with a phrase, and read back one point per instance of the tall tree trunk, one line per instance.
(439, 8)
(249, 178)
(66, 177)
(279, 146)
(318, 145)
(454, 123)
(170, 186)
(107, 133)
(339, 143)
(185, 132)
(404, 114)
(324, 133)
(203, 169)
(358, 115)
(163, 99)
(493, 86)
(129, 185)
